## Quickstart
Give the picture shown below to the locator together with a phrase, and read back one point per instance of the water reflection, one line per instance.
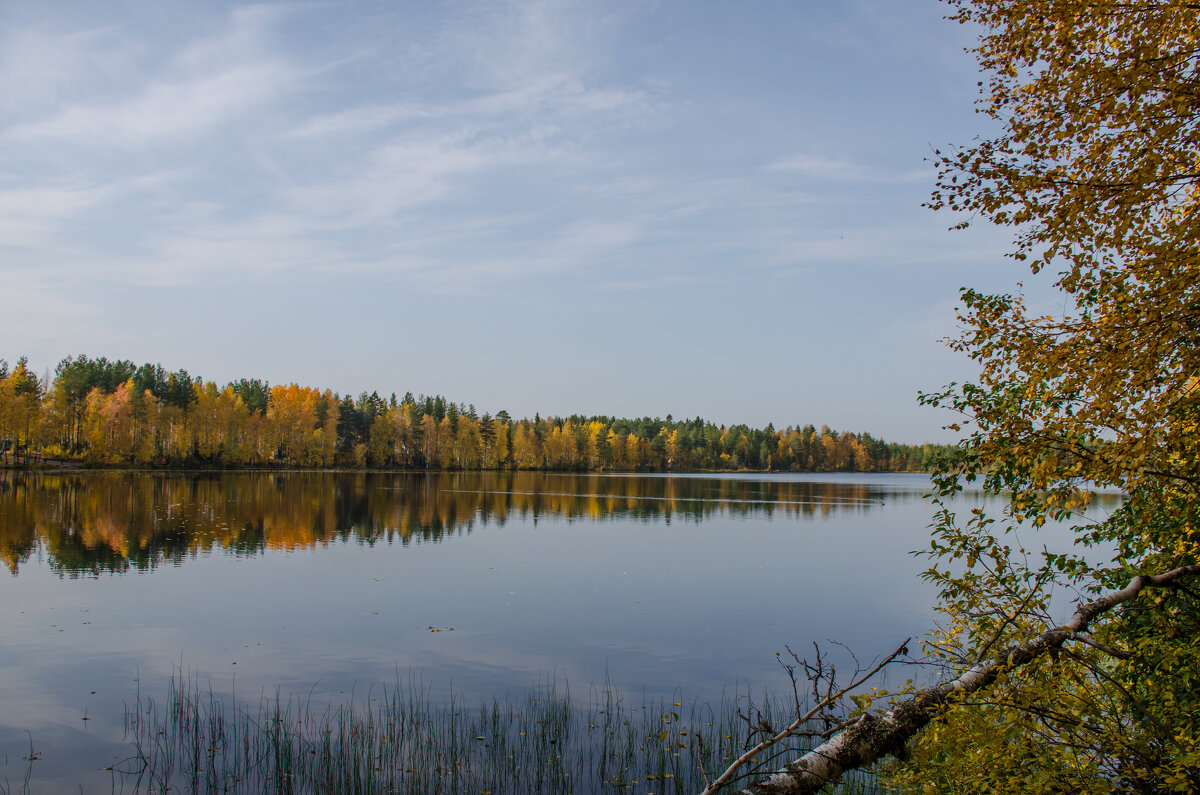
(112, 522)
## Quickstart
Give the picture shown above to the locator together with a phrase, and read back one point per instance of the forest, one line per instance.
(97, 412)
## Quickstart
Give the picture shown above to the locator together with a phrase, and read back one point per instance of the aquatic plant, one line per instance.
(399, 739)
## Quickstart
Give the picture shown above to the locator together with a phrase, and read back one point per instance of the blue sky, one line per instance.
(625, 208)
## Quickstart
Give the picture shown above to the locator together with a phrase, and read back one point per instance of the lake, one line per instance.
(323, 585)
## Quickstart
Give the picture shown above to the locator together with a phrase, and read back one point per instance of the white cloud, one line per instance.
(838, 170)
(265, 246)
(165, 110)
(360, 120)
(374, 185)
(819, 167)
(246, 38)
(207, 84)
(35, 216)
(39, 69)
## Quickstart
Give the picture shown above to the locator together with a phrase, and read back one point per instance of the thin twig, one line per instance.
(731, 771)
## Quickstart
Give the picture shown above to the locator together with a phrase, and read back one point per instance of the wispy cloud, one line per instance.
(819, 168)
(41, 67)
(164, 110)
(253, 188)
(208, 83)
(410, 172)
(358, 120)
(268, 245)
(35, 217)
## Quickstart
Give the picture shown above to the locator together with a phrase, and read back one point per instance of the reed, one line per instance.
(398, 739)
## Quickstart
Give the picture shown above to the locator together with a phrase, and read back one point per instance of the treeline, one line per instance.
(117, 413)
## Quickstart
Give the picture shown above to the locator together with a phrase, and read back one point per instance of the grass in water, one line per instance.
(398, 740)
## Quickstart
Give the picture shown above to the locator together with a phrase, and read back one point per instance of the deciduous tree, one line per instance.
(1096, 170)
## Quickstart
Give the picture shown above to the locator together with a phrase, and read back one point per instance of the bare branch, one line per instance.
(871, 737)
(794, 727)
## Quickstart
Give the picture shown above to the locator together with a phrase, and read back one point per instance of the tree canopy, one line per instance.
(117, 413)
(1096, 170)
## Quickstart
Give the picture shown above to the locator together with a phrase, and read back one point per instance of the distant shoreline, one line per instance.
(56, 465)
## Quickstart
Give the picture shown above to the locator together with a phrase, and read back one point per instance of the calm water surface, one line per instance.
(322, 584)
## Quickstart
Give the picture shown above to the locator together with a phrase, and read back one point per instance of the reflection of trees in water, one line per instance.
(89, 523)
(18, 530)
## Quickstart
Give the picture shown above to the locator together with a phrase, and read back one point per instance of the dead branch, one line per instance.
(793, 728)
(870, 737)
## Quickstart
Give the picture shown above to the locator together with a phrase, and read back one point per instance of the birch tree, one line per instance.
(1097, 171)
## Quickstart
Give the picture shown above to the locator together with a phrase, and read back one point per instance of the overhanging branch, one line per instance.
(871, 737)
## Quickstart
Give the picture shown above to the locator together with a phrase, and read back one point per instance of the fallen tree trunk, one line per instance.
(871, 737)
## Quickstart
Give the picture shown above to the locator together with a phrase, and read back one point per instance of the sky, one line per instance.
(565, 207)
